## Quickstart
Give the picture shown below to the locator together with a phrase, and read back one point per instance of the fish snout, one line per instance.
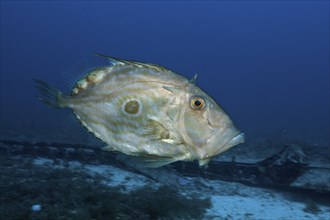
(220, 142)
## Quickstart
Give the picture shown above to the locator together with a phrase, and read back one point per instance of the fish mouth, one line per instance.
(220, 143)
(238, 139)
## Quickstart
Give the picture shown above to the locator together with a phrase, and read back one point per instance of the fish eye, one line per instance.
(197, 103)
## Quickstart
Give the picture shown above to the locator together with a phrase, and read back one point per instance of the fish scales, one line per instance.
(148, 111)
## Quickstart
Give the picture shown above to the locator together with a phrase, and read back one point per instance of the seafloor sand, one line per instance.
(228, 200)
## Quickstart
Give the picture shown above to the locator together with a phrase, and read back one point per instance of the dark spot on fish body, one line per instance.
(132, 107)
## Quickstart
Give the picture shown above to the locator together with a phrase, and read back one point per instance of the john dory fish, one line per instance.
(147, 111)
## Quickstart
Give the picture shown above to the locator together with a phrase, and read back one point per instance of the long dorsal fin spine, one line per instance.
(193, 80)
(112, 60)
(117, 61)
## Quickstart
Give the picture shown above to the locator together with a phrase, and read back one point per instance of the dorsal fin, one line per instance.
(115, 61)
(193, 80)
(112, 60)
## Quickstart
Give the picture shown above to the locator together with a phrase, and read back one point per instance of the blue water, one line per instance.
(266, 63)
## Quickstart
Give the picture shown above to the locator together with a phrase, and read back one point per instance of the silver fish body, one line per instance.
(148, 111)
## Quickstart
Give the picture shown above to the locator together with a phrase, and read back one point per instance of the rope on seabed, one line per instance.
(257, 174)
(97, 149)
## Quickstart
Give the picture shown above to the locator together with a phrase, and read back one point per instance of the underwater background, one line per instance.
(265, 62)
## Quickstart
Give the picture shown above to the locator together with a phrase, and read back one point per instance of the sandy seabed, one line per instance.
(227, 200)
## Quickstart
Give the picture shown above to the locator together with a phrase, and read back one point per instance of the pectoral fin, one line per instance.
(155, 130)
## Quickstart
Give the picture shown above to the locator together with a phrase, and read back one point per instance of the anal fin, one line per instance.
(108, 148)
(153, 161)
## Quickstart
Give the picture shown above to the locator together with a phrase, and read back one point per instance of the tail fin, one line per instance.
(48, 95)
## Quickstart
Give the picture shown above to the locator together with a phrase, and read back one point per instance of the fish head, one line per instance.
(206, 127)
